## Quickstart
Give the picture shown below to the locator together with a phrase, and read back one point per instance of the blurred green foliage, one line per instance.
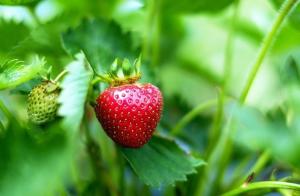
(184, 48)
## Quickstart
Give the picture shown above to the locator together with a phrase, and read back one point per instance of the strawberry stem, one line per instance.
(59, 76)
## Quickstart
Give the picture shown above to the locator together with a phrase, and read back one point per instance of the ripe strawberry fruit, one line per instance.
(42, 102)
(130, 113)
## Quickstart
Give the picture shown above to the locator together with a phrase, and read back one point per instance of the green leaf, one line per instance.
(26, 87)
(15, 72)
(31, 167)
(101, 41)
(255, 131)
(190, 6)
(174, 84)
(75, 88)
(161, 162)
(16, 2)
(290, 71)
(11, 33)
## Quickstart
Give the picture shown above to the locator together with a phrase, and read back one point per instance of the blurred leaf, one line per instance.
(294, 17)
(11, 34)
(98, 8)
(16, 2)
(29, 167)
(15, 72)
(75, 88)
(188, 85)
(290, 71)
(256, 132)
(190, 6)
(101, 41)
(26, 87)
(161, 162)
(44, 39)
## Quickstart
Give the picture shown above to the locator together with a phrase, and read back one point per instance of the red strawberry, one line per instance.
(130, 113)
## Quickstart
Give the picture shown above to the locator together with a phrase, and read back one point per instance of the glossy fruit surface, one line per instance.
(130, 113)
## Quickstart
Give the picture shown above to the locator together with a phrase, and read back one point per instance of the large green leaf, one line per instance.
(30, 167)
(74, 92)
(101, 41)
(161, 162)
(16, 2)
(15, 72)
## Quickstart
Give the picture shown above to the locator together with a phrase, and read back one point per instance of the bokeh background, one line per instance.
(194, 51)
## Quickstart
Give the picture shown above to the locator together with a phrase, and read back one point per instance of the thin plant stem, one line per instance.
(98, 79)
(156, 34)
(218, 118)
(227, 74)
(261, 162)
(229, 47)
(191, 115)
(266, 45)
(60, 75)
(257, 167)
(220, 145)
(265, 185)
(222, 150)
(148, 30)
(285, 9)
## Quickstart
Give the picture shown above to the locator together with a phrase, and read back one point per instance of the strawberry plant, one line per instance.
(143, 97)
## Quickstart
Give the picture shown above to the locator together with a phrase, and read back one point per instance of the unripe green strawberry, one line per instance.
(42, 102)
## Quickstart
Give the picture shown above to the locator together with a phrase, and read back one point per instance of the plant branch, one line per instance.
(257, 167)
(219, 148)
(286, 8)
(266, 45)
(218, 118)
(191, 115)
(60, 75)
(262, 186)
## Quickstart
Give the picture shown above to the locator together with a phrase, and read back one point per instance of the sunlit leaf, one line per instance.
(15, 72)
(101, 41)
(161, 162)
(74, 92)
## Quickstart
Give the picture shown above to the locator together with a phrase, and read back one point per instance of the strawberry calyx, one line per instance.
(122, 72)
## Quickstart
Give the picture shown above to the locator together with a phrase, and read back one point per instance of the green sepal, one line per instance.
(127, 67)
(123, 72)
(115, 66)
(137, 65)
(48, 76)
